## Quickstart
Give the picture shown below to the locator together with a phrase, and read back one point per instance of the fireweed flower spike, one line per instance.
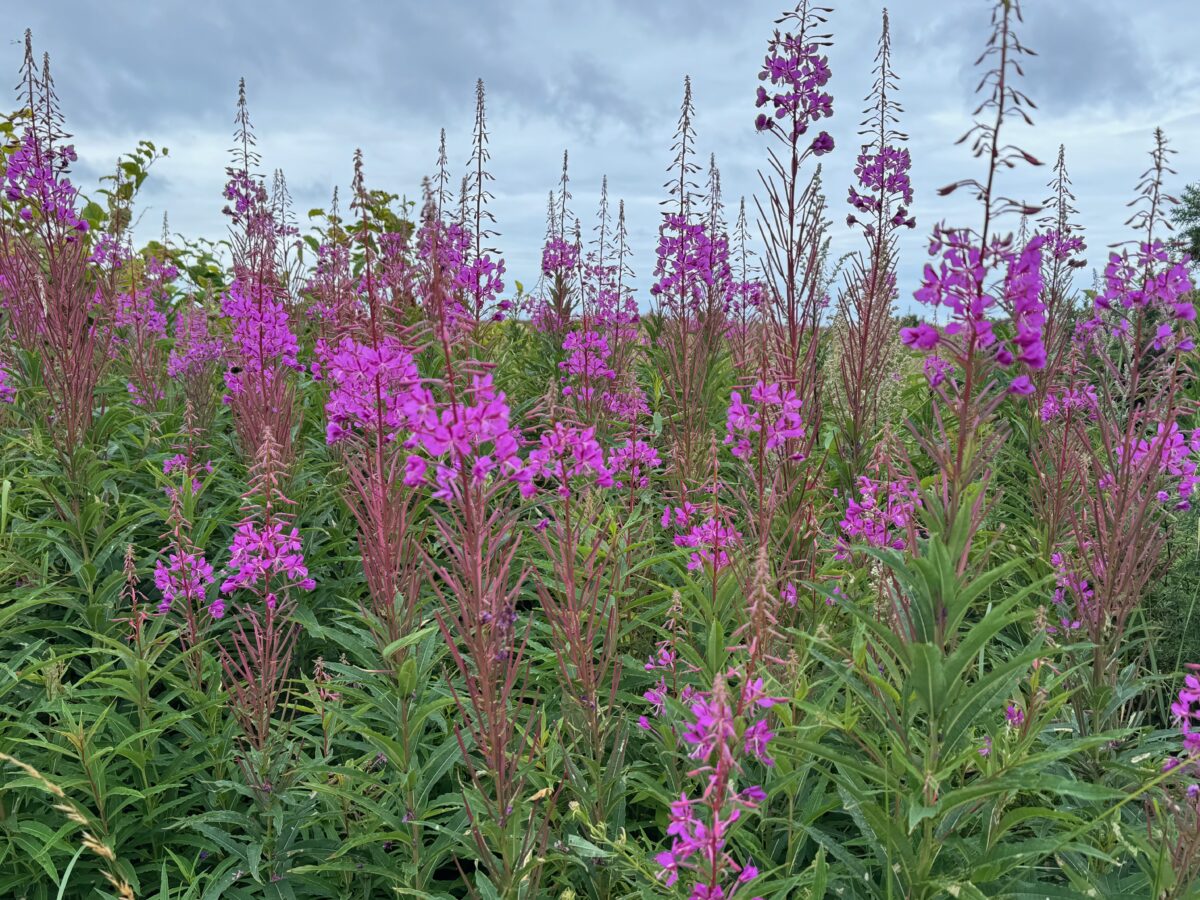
(266, 556)
(980, 275)
(723, 733)
(263, 348)
(1134, 462)
(57, 296)
(866, 327)
(881, 516)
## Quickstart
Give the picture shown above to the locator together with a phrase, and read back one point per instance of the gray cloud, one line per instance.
(603, 80)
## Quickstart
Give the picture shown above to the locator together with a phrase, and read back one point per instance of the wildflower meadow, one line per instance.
(337, 563)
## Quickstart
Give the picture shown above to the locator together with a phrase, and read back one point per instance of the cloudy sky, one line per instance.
(602, 80)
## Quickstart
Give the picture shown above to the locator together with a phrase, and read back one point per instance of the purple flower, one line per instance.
(959, 284)
(1014, 715)
(373, 388)
(921, 337)
(771, 408)
(709, 537)
(261, 336)
(567, 452)
(796, 72)
(880, 517)
(822, 144)
(184, 575)
(263, 555)
(691, 265)
(586, 366)
(634, 460)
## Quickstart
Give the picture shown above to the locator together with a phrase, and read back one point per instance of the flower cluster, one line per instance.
(8, 393)
(183, 463)
(260, 334)
(137, 310)
(186, 574)
(883, 175)
(246, 194)
(566, 452)
(1081, 399)
(482, 280)
(746, 298)
(267, 556)
(959, 284)
(474, 436)
(691, 266)
(1186, 711)
(1073, 596)
(798, 73)
(1064, 246)
(586, 365)
(479, 279)
(1147, 281)
(444, 251)
(618, 315)
(773, 413)
(880, 517)
(34, 177)
(373, 388)
(631, 463)
(559, 257)
(1172, 452)
(710, 537)
(666, 662)
(194, 347)
(721, 736)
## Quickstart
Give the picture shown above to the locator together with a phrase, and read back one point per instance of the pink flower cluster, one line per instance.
(269, 556)
(1073, 596)
(373, 388)
(137, 310)
(632, 462)
(475, 436)
(586, 366)
(194, 347)
(559, 257)
(183, 462)
(691, 265)
(8, 393)
(699, 828)
(880, 517)
(1081, 399)
(618, 315)
(186, 575)
(1147, 280)
(1172, 452)
(883, 175)
(708, 536)
(773, 413)
(477, 279)
(567, 452)
(1063, 245)
(261, 334)
(798, 72)
(443, 249)
(746, 297)
(1186, 711)
(959, 284)
(34, 177)
(482, 280)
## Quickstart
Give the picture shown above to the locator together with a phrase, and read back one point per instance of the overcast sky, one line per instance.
(602, 80)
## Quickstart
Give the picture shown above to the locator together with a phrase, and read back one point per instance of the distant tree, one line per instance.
(1187, 218)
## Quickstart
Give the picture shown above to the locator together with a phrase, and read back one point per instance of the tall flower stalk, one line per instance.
(868, 332)
(263, 348)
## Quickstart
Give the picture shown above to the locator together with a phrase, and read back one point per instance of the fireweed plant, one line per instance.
(334, 565)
